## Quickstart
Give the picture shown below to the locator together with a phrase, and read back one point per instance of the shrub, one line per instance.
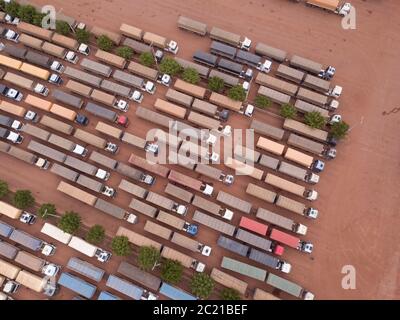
(216, 84)
(171, 271)
(120, 246)
(125, 52)
(191, 75)
(63, 28)
(202, 285)
(46, 210)
(70, 222)
(82, 36)
(148, 257)
(262, 102)
(12, 8)
(146, 59)
(96, 234)
(339, 130)
(4, 190)
(314, 119)
(26, 13)
(170, 66)
(23, 199)
(288, 111)
(38, 18)
(237, 93)
(105, 43)
(229, 294)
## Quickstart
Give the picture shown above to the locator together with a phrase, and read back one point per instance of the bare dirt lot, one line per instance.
(358, 204)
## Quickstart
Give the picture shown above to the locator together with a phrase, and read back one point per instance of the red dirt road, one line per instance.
(358, 204)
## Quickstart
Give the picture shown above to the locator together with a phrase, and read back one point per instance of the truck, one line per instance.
(10, 123)
(75, 284)
(334, 6)
(36, 31)
(36, 132)
(212, 207)
(98, 31)
(160, 42)
(32, 243)
(36, 283)
(60, 52)
(214, 173)
(185, 260)
(31, 42)
(95, 186)
(174, 293)
(37, 264)
(164, 217)
(303, 129)
(129, 289)
(67, 145)
(245, 169)
(225, 102)
(254, 226)
(135, 82)
(7, 250)
(106, 114)
(205, 58)
(229, 81)
(139, 142)
(214, 223)
(67, 98)
(263, 295)
(304, 160)
(16, 214)
(11, 93)
(322, 86)
(139, 276)
(179, 193)
(298, 173)
(243, 269)
(306, 107)
(149, 73)
(166, 203)
(96, 67)
(69, 114)
(85, 269)
(18, 111)
(137, 46)
(131, 31)
(190, 89)
(109, 100)
(270, 52)
(115, 211)
(258, 241)
(29, 158)
(135, 174)
(170, 108)
(209, 123)
(87, 168)
(137, 239)
(230, 38)
(233, 246)
(44, 61)
(291, 187)
(253, 60)
(267, 130)
(229, 281)
(26, 83)
(79, 88)
(64, 41)
(5, 229)
(10, 35)
(56, 125)
(10, 272)
(46, 151)
(88, 249)
(96, 141)
(276, 84)
(317, 99)
(190, 244)
(147, 166)
(40, 73)
(56, 233)
(270, 146)
(83, 77)
(312, 67)
(185, 64)
(179, 98)
(210, 109)
(104, 295)
(312, 146)
(236, 69)
(222, 49)
(15, 52)
(291, 241)
(192, 25)
(273, 95)
(64, 172)
(296, 207)
(190, 182)
(288, 287)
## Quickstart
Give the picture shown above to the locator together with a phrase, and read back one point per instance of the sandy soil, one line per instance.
(358, 221)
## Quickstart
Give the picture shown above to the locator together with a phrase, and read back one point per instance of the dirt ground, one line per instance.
(358, 219)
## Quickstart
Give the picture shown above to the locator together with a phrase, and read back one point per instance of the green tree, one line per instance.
(12, 8)
(237, 93)
(105, 43)
(3, 189)
(63, 28)
(23, 199)
(288, 111)
(125, 52)
(314, 119)
(216, 84)
(170, 66)
(2, 5)
(82, 36)
(38, 18)
(26, 13)
(146, 59)
(202, 285)
(171, 271)
(96, 234)
(47, 210)
(229, 294)
(148, 257)
(191, 75)
(120, 246)
(262, 102)
(70, 222)
(339, 130)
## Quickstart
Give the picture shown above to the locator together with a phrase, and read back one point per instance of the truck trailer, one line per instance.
(26, 83)
(334, 6)
(29, 157)
(288, 287)
(192, 25)
(312, 146)
(270, 52)
(304, 160)
(160, 42)
(185, 260)
(291, 241)
(214, 223)
(190, 182)
(89, 250)
(32, 243)
(229, 281)
(106, 114)
(230, 38)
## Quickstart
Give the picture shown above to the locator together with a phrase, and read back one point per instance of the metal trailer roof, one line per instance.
(36, 31)
(143, 71)
(64, 41)
(316, 83)
(98, 31)
(171, 220)
(276, 84)
(138, 47)
(204, 107)
(230, 66)
(305, 64)
(284, 184)
(305, 130)
(116, 88)
(56, 125)
(223, 49)
(96, 67)
(15, 51)
(36, 132)
(175, 293)
(4, 147)
(243, 268)
(192, 25)
(274, 95)
(247, 58)
(148, 166)
(89, 183)
(284, 285)
(170, 108)
(134, 140)
(5, 121)
(156, 229)
(205, 57)
(104, 295)
(22, 155)
(312, 97)
(191, 89)
(229, 281)
(267, 130)
(254, 240)
(153, 117)
(270, 146)
(64, 172)
(82, 76)
(131, 31)
(26, 240)
(214, 223)
(209, 171)
(206, 205)
(80, 165)
(38, 59)
(79, 88)
(77, 285)
(160, 200)
(128, 78)
(275, 219)
(246, 154)
(179, 97)
(305, 107)
(7, 250)
(263, 258)
(137, 239)
(306, 144)
(228, 79)
(110, 209)
(143, 208)
(234, 202)
(217, 33)
(56, 233)
(101, 112)
(263, 295)
(130, 172)
(233, 246)
(270, 52)
(90, 138)
(85, 269)
(132, 188)
(179, 193)
(30, 261)
(293, 171)
(202, 70)
(103, 160)
(289, 73)
(261, 193)
(142, 277)
(46, 151)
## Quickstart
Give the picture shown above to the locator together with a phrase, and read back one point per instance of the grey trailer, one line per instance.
(64, 172)
(5, 229)
(67, 98)
(46, 151)
(7, 250)
(85, 269)
(15, 52)
(267, 130)
(222, 49)
(137, 46)
(233, 246)
(137, 275)
(205, 58)
(254, 240)
(230, 67)
(26, 240)
(229, 80)
(96, 67)
(124, 287)
(185, 64)
(270, 52)
(83, 77)
(248, 58)
(101, 112)
(103, 160)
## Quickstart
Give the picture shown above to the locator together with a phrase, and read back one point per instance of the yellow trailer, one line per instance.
(38, 102)
(244, 169)
(35, 71)
(8, 270)
(63, 112)
(10, 62)
(131, 31)
(12, 108)
(270, 146)
(170, 108)
(9, 210)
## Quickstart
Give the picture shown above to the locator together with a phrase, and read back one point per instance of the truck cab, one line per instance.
(82, 120)
(102, 255)
(159, 55)
(10, 93)
(147, 295)
(311, 195)
(223, 115)
(42, 163)
(31, 116)
(72, 57)
(149, 87)
(131, 218)
(306, 247)
(14, 137)
(198, 266)
(102, 174)
(301, 229)
(11, 20)
(122, 121)
(210, 139)
(112, 148)
(51, 269)
(345, 9)
(227, 131)
(207, 190)
(180, 209)
(249, 110)
(109, 192)
(164, 79)
(205, 250)
(228, 179)
(11, 35)
(152, 148)
(328, 73)
(11, 287)
(311, 213)
(80, 150)
(336, 118)
(335, 92)
(214, 157)
(50, 290)
(137, 96)
(84, 49)
(27, 218)
(48, 249)
(330, 153)
(41, 89)
(284, 266)
(227, 214)
(265, 67)
(247, 75)
(318, 166)
(191, 229)
(148, 179)
(172, 47)
(57, 66)
(55, 79)
(17, 125)
(312, 178)
(245, 44)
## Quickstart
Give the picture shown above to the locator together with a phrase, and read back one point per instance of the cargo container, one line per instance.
(160, 42)
(230, 38)
(233, 246)
(36, 31)
(15, 52)
(64, 41)
(64, 172)
(129, 289)
(244, 154)
(291, 187)
(267, 130)
(205, 107)
(135, 82)
(5, 229)
(192, 25)
(137, 239)
(147, 166)
(253, 226)
(7, 250)
(116, 88)
(311, 146)
(77, 193)
(4, 147)
(56, 233)
(131, 31)
(258, 242)
(175, 293)
(88, 249)
(201, 70)
(208, 123)
(269, 261)
(305, 107)
(229, 281)
(104, 295)
(190, 89)
(270, 52)
(75, 284)
(185, 260)
(114, 37)
(111, 59)
(63, 112)
(263, 295)
(233, 68)
(137, 275)
(177, 223)
(109, 130)
(229, 80)
(10, 123)
(96, 67)
(12, 109)
(190, 182)
(158, 230)
(26, 83)
(170, 108)
(178, 193)
(135, 174)
(187, 131)
(212, 207)
(106, 114)
(103, 160)
(225, 102)
(60, 52)
(335, 6)
(36, 264)
(303, 129)
(32, 243)
(143, 208)
(138, 47)
(298, 173)
(291, 74)
(36, 132)
(276, 84)
(86, 168)
(10, 62)
(296, 207)
(46, 151)
(270, 146)
(35, 71)
(79, 88)
(274, 95)
(35, 283)
(83, 77)
(288, 287)
(95, 141)
(85, 269)
(304, 160)
(208, 59)
(140, 143)
(291, 241)
(56, 125)
(214, 223)
(242, 168)
(163, 139)
(98, 187)
(67, 98)
(179, 98)
(28, 157)
(306, 64)
(243, 269)
(9, 270)
(318, 99)
(214, 173)
(281, 221)
(31, 42)
(190, 244)
(132, 189)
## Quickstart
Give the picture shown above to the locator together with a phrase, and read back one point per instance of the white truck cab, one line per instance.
(122, 105)
(42, 163)
(137, 96)
(51, 269)
(301, 229)
(306, 247)
(150, 87)
(112, 148)
(41, 89)
(102, 255)
(15, 138)
(249, 110)
(172, 47)
(102, 174)
(311, 213)
(71, 57)
(27, 218)
(152, 148)
(206, 251)
(11, 35)
(265, 67)
(164, 79)
(208, 190)
(336, 118)
(180, 209)
(14, 94)
(80, 150)
(31, 116)
(227, 214)
(131, 218)
(57, 66)
(17, 125)
(335, 92)
(245, 44)
(345, 9)
(211, 139)
(311, 195)
(214, 157)
(109, 192)
(312, 178)
(11, 287)
(55, 79)
(227, 131)
(228, 179)
(285, 267)
(84, 49)
(199, 266)
(48, 249)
